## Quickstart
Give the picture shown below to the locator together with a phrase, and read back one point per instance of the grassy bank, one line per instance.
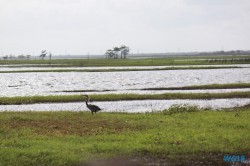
(119, 97)
(68, 138)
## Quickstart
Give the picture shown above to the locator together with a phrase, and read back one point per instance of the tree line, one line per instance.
(114, 53)
(43, 54)
(13, 57)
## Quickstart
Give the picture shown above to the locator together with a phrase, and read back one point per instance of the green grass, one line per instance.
(137, 62)
(120, 97)
(68, 138)
(209, 86)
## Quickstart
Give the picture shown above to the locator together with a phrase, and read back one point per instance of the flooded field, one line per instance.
(122, 82)
(51, 83)
(136, 106)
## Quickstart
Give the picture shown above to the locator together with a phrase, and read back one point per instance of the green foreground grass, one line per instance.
(68, 138)
(119, 97)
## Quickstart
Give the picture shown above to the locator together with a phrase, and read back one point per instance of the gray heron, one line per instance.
(91, 107)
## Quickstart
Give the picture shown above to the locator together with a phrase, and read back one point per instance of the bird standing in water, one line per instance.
(92, 108)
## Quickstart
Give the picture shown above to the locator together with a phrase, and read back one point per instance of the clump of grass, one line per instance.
(181, 108)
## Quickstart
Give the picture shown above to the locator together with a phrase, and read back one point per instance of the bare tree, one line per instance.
(43, 54)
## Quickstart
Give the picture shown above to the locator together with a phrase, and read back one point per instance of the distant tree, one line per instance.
(28, 57)
(50, 56)
(21, 57)
(109, 54)
(43, 54)
(124, 51)
(11, 57)
(5, 57)
(116, 51)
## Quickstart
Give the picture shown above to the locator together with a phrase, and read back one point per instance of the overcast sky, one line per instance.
(79, 27)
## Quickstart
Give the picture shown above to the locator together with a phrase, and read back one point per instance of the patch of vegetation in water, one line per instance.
(119, 97)
(209, 86)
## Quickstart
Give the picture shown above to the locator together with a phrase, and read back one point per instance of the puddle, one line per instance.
(135, 106)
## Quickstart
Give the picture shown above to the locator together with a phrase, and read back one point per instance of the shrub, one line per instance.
(181, 108)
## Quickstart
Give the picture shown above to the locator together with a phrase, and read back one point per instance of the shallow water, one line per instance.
(45, 67)
(139, 106)
(28, 84)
